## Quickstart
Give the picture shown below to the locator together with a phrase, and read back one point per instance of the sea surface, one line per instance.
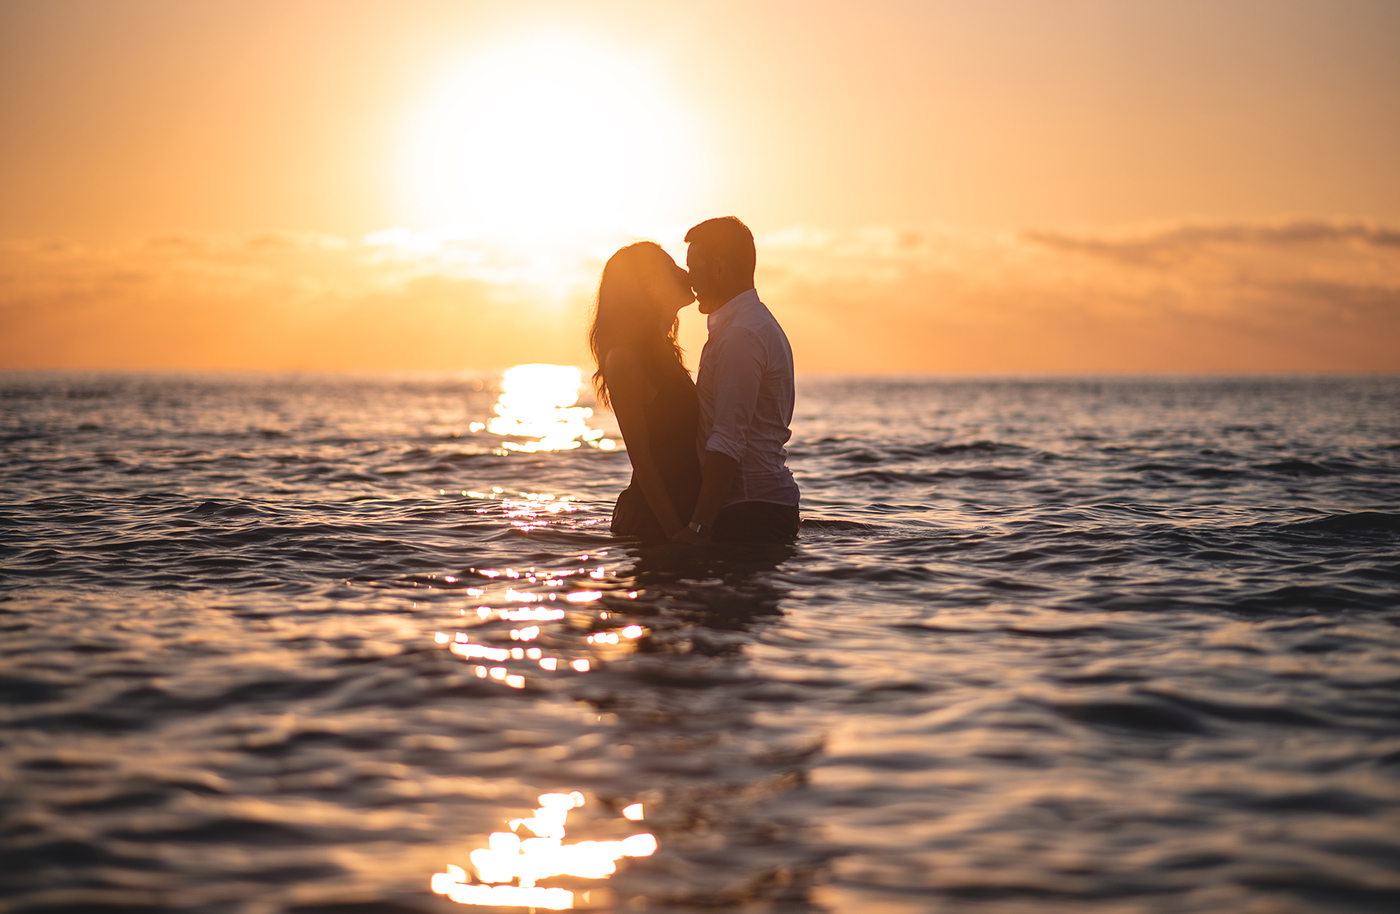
(299, 643)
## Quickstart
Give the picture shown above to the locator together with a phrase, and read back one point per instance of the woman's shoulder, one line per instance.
(628, 372)
(624, 360)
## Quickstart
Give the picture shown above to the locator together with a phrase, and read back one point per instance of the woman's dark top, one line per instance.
(673, 420)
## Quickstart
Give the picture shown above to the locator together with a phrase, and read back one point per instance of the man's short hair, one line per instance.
(728, 240)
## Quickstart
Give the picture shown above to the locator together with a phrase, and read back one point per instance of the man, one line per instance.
(745, 384)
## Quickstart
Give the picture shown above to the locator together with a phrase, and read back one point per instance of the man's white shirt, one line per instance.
(745, 384)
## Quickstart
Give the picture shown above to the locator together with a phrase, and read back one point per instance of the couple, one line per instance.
(708, 460)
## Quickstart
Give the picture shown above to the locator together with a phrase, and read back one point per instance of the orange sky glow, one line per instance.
(1003, 187)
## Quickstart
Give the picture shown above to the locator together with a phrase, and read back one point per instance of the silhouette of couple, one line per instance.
(708, 456)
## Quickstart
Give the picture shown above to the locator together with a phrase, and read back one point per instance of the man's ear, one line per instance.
(719, 273)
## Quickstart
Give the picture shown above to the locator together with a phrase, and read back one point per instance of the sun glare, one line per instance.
(550, 138)
(537, 402)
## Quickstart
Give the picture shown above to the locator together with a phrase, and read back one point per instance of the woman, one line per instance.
(642, 379)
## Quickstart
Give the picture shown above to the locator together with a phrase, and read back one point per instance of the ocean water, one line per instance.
(301, 643)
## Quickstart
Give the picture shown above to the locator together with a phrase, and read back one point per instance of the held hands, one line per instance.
(692, 533)
(716, 480)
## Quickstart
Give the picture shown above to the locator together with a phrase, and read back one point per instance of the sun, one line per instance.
(549, 137)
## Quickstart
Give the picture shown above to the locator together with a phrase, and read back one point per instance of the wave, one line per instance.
(1360, 522)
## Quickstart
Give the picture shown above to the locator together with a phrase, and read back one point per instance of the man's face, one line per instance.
(702, 280)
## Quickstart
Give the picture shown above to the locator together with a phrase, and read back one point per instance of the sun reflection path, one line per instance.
(510, 866)
(536, 623)
(537, 401)
(462, 645)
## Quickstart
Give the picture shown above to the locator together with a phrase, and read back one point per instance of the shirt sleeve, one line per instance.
(738, 373)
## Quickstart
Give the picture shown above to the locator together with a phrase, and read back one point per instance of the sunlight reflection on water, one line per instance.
(462, 645)
(537, 401)
(511, 864)
(508, 858)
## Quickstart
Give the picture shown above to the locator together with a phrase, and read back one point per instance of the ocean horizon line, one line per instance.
(493, 370)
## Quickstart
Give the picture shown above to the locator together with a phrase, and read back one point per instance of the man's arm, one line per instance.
(716, 479)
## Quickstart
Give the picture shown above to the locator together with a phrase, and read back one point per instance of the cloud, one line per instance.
(283, 301)
(1302, 295)
(1298, 295)
(1157, 244)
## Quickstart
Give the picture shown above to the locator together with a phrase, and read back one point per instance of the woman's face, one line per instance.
(670, 288)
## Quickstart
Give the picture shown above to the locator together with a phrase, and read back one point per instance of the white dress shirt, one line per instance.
(745, 385)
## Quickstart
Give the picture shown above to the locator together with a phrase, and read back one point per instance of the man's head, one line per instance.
(721, 260)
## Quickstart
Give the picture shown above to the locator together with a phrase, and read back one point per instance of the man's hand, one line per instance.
(716, 479)
(686, 535)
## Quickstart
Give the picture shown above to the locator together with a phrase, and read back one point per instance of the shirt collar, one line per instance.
(726, 312)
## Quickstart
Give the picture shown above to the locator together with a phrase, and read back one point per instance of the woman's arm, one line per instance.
(716, 481)
(630, 390)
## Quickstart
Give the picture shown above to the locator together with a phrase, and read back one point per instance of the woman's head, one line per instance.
(639, 297)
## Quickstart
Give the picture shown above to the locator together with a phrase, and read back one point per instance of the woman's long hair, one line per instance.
(625, 313)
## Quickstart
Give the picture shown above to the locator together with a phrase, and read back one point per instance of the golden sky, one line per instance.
(1005, 186)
